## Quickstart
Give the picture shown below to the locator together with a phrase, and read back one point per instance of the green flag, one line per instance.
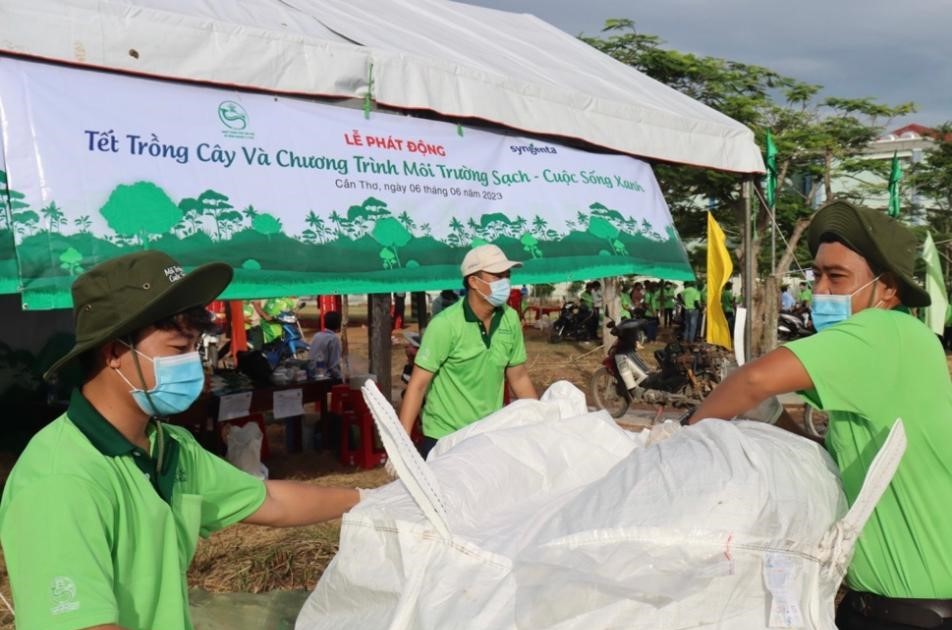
(935, 314)
(771, 160)
(895, 174)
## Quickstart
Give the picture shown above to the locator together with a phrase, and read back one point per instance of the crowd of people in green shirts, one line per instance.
(662, 304)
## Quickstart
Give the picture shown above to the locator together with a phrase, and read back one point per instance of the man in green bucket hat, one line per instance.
(869, 364)
(101, 514)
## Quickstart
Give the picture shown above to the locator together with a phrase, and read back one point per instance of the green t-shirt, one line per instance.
(651, 303)
(586, 299)
(468, 364)
(868, 371)
(94, 534)
(805, 296)
(624, 300)
(669, 300)
(727, 301)
(273, 308)
(691, 298)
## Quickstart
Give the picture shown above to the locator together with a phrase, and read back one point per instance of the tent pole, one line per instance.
(746, 193)
(378, 329)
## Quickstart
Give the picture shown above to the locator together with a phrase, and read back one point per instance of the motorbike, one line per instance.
(291, 344)
(573, 323)
(794, 325)
(685, 373)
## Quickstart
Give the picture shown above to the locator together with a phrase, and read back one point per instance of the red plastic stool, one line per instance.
(355, 415)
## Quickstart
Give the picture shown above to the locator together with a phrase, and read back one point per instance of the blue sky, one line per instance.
(894, 51)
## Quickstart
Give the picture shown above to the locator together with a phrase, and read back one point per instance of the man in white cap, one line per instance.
(468, 352)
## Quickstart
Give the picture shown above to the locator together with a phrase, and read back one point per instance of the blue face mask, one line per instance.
(179, 380)
(498, 291)
(826, 309)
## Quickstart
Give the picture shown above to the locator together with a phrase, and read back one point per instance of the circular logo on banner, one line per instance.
(233, 115)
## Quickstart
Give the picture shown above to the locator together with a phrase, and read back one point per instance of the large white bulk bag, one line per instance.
(544, 515)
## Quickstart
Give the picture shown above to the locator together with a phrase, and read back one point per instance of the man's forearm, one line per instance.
(410, 408)
(522, 387)
(731, 397)
(293, 503)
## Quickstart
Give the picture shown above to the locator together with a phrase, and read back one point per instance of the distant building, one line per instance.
(910, 144)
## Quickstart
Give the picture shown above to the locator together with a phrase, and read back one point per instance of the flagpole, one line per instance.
(746, 188)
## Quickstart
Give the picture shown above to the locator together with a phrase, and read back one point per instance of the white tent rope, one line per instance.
(773, 221)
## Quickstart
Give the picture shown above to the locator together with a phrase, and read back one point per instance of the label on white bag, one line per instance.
(783, 576)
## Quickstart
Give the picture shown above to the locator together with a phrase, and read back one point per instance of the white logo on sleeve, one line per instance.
(63, 595)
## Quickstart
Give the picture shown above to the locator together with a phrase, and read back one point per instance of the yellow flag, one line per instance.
(719, 270)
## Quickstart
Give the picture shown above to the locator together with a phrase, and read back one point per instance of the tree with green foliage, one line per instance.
(407, 221)
(139, 211)
(392, 235)
(338, 220)
(55, 219)
(531, 244)
(25, 222)
(70, 261)
(266, 224)
(84, 224)
(214, 204)
(539, 226)
(929, 184)
(191, 220)
(11, 201)
(819, 139)
(317, 225)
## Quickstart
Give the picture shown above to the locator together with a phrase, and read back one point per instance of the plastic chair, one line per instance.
(357, 437)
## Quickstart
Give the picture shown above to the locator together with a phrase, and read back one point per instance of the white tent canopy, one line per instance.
(450, 58)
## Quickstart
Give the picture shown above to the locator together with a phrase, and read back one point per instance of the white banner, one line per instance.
(302, 197)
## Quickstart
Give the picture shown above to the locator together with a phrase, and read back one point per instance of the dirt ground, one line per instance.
(246, 558)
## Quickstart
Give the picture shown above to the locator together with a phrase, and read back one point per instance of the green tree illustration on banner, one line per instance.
(69, 260)
(602, 228)
(215, 205)
(140, 211)
(457, 236)
(84, 224)
(55, 219)
(15, 209)
(266, 224)
(191, 220)
(531, 245)
(392, 235)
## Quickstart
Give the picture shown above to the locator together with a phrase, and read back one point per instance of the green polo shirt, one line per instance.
(273, 308)
(868, 371)
(95, 532)
(691, 298)
(469, 365)
(727, 301)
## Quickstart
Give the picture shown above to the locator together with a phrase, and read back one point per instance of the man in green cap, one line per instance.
(101, 513)
(468, 353)
(869, 364)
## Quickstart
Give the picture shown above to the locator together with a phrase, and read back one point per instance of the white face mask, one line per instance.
(498, 291)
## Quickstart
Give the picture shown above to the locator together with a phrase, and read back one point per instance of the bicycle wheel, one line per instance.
(605, 392)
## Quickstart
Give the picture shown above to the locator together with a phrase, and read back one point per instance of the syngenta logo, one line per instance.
(519, 149)
(233, 115)
(63, 595)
